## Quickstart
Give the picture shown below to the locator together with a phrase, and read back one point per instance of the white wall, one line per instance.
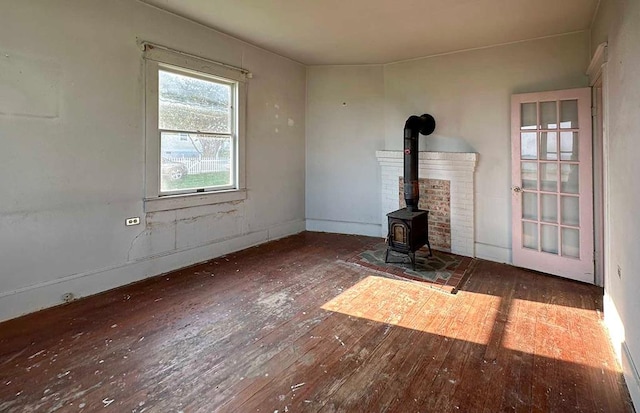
(72, 158)
(345, 122)
(618, 23)
(468, 93)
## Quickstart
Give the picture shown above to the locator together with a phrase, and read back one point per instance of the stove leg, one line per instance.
(386, 256)
(412, 257)
(429, 245)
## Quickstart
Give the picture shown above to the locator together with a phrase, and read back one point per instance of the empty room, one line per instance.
(319, 206)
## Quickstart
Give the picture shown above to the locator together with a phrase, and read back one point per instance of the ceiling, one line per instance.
(315, 32)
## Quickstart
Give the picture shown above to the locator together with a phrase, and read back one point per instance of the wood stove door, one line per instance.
(552, 196)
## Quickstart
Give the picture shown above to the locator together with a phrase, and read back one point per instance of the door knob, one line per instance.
(517, 189)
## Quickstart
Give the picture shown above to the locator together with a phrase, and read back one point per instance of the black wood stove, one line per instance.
(408, 227)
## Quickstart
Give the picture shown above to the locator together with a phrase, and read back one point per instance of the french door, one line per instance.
(552, 190)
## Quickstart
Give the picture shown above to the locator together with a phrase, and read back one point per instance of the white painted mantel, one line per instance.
(455, 167)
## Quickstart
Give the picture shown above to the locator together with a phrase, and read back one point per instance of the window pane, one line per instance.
(570, 175)
(569, 114)
(529, 175)
(570, 210)
(530, 235)
(528, 116)
(192, 104)
(530, 206)
(570, 242)
(549, 177)
(195, 161)
(569, 146)
(549, 238)
(548, 115)
(549, 208)
(528, 145)
(549, 146)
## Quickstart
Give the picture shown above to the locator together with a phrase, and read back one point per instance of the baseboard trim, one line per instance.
(47, 294)
(284, 230)
(493, 253)
(613, 323)
(616, 331)
(343, 227)
(631, 375)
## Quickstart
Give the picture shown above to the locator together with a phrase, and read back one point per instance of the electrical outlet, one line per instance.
(619, 272)
(67, 297)
(132, 221)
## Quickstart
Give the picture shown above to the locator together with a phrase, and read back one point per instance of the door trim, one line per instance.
(597, 73)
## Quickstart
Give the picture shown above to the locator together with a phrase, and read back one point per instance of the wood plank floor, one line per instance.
(291, 326)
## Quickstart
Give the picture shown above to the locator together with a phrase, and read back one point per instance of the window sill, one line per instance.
(172, 202)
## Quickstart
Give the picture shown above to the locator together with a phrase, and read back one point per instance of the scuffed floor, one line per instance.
(295, 326)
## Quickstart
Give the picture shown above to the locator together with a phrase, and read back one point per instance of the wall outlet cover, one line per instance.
(132, 221)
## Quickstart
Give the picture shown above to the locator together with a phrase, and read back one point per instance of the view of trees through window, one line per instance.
(196, 138)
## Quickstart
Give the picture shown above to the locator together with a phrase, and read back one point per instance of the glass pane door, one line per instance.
(552, 185)
(549, 171)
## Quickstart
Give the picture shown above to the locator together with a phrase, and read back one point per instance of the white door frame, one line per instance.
(597, 73)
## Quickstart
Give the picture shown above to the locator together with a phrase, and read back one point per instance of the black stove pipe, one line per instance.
(425, 125)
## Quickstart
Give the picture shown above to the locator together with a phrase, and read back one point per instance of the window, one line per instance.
(194, 131)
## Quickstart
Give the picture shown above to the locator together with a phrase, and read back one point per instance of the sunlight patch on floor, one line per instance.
(555, 332)
(409, 305)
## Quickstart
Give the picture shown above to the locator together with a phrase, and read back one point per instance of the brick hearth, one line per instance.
(455, 168)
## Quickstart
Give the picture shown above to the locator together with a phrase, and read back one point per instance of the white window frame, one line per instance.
(157, 59)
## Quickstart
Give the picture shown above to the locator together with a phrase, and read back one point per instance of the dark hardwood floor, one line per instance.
(290, 326)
